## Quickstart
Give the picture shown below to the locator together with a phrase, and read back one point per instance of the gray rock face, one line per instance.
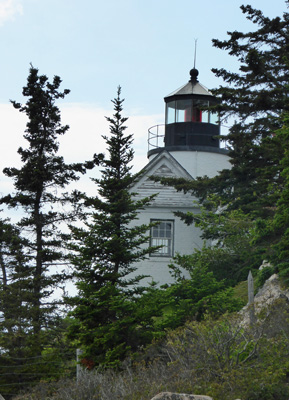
(266, 296)
(179, 396)
(270, 292)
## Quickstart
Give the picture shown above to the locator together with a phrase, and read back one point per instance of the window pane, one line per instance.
(205, 116)
(168, 229)
(198, 106)
(161, 235)
(170, 113)
(183, 110)
(165, 247)
(214, 118)
(155, 230)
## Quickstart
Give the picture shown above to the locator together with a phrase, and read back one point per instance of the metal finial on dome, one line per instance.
(194, 72)
(194, 75)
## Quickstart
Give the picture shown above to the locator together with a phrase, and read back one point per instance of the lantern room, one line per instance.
(190, 122)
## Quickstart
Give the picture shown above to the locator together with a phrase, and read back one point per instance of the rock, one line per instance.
(270, 292)
(264, 264)
(180, 396)
(266, 296)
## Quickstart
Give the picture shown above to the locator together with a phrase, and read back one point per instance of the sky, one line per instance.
(145, 46)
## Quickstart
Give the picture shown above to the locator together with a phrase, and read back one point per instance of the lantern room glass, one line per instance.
(171, 113)
(188, 110)
(184, 110)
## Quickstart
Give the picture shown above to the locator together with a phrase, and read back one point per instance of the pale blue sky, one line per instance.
(146, 46)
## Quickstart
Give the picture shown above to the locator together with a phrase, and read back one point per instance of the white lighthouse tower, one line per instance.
(187, 146)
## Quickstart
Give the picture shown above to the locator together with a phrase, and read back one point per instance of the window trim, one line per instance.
(172, 238)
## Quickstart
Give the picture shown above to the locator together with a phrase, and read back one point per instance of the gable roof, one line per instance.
(177, 170)
(164, 165)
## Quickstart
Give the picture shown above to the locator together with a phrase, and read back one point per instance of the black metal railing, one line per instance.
(156, 136)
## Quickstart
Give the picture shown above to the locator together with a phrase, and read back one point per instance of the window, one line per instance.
(188, 110)
(171, 113)
(214, 118)
(184, 110)
(162, 235)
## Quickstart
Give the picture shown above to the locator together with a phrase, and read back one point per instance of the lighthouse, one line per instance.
(186, 146)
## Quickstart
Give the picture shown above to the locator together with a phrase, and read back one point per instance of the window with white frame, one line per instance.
(162, 234)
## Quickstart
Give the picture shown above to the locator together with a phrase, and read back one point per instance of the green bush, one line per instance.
(264, 274)
(220, 358)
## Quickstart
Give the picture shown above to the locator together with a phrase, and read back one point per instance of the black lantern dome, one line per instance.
(190, 124)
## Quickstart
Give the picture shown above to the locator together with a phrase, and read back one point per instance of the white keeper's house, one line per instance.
(185, 147)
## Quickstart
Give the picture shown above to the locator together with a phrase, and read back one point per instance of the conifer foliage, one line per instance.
(105, 250)
(38, 185)
(257, 97)
(276, 231)
(15, 291)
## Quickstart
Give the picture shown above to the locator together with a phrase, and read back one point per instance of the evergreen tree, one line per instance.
(256, 96)
(105, 250)
(276, 231)
(15, 292)
(38, 191)
(19, 367)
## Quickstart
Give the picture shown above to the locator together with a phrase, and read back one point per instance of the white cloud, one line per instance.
(8, 10)
(12, 126)
(87, 125)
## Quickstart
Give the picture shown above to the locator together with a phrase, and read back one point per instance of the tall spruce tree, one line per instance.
(15, 319)
(106, 325)
(39, 185)
(15, 291)
(20, 366)
(256, 97)
(276, 231)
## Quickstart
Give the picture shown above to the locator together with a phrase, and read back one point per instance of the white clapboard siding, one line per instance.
(165, 166)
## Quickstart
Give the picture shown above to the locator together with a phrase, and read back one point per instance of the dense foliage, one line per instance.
(103, 252)
(221, 359)
(193, 298)
(257, 98)
(274, 232)
(32, 252)
(244, 220)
